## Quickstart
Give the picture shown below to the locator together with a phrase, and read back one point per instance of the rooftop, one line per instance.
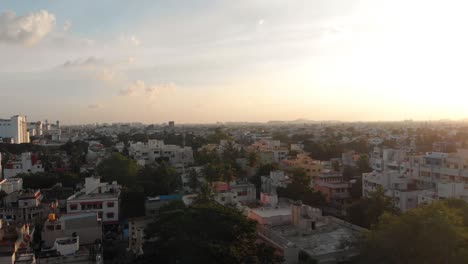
(92, 196)
(272, 211)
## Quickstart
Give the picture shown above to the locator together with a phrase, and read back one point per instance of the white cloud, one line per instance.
(95, 106)
(83, 63)
(25, 30)
(150, 92)
(131, 40)
(67, 26)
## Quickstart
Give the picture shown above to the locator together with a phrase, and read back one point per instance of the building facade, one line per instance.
(15, 128)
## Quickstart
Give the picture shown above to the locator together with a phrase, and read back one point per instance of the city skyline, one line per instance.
(254, 61)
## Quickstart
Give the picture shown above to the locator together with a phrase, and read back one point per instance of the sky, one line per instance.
(205, 61)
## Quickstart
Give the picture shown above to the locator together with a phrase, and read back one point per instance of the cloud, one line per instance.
(107, 75)
(67, 26)
(150, 92)
(88, 62)
(94, 106)
(131, 40)
(25, 30)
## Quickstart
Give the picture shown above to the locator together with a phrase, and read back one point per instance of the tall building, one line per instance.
(15, 128)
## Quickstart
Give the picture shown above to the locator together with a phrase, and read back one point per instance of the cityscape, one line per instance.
(256, 132)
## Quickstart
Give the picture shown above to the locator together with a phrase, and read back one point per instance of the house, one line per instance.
(85, 225)
(297, 230)
(25, 163)
(99, 197)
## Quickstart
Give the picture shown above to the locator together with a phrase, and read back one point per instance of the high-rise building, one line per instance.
(15, 128)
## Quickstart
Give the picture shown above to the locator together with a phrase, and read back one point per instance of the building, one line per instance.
(22, 205)
(271, 182)
(234, 193)
(26, 163)
(15, 128)
(312, 167)
(87, 226)
(70, 250)
(171, 124)
(152, 204)
(102, 198)
(11, 185)
(336, 193)
(296, 229)
(269, 150)
(415, 179)
(15, 241)
(155, 150)
(136, 234)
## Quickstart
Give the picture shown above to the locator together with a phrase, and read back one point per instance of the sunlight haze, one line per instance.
(207, 61)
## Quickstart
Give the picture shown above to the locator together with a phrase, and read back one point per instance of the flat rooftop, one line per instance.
(92, 196)
(326, 238)
(272, 211)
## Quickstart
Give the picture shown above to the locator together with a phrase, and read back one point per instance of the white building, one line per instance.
(26, 163)
(412, 180)
(11, 185)
(85, 225)
(154, 150)
(97, 196)
(136, 234)
(296, 229)
(15, 128)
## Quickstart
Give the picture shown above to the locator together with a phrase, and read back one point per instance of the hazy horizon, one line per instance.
(109, 61)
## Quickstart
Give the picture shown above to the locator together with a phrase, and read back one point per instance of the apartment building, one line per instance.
(99, 197)
(155, 150)
(27, 162)
(15, 128)
(415, 179)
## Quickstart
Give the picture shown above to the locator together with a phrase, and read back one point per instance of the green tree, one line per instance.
(363, 164)
(204, 233)
(194, 182)
(159, 180)
(434, 233)
(366, 211)
(133, 201)
(118, 168)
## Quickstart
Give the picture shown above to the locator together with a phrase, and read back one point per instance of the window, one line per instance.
(110, 215)
(50, 227)
(58, 227)
(110, 204)
(100, 215)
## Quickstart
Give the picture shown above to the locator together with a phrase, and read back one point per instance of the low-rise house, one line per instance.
(22, 205)
(11, 185)
(298, 230)
(136, 234)
(25, 163)
(85, 225)
(155, 150)
(99, 197)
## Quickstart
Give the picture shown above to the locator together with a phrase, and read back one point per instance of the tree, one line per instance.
(367, 211)
(253, 159)
(118, 168)
(204, 233)
(159, 180)
(363, 164)
(194, 182)
(336, 165)
(434, 233)
(133, 202)
(299, 176)
(356, 189)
